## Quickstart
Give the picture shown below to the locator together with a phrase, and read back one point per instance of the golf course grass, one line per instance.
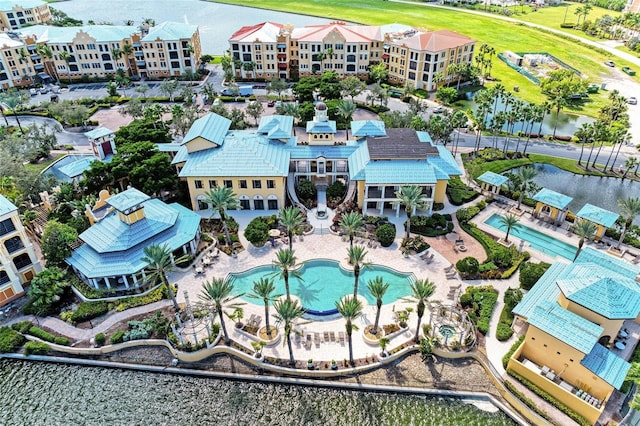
(501, 35)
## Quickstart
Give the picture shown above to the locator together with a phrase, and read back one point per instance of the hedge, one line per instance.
(485, 299)
(512, 350)
(36, 348)
(89, 310)
(432, 226)
(134, 301)
(528, 401)
(10, 340)
(41, 334)
(459, 193)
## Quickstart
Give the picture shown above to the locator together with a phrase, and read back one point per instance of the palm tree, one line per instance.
(412, 198)
(288, 312)
(46, 52)
(291, 218)
(160, 262)
(346, 110)
(351, 309)
(218, 291)
(127, 51)
(291, 109)
(66, 57)
(510, 221)
(263, 289)
(629, 209)
(356, 255)
(13, 100)
(222, 199)
(352, 223)
(377, 287)
(27, 218)
(421, 291)
(586, 230)
(585, 135)
(286, 261)
(525, 175)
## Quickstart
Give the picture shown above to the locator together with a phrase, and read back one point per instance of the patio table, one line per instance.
(620, 345)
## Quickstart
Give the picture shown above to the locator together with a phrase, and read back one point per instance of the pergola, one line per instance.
(602, 218)
(490, 181)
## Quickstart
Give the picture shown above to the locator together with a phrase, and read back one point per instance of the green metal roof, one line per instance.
(401, 172)
(552, 198)
(607, 365)
(613, 298)
(170, 31)
(492, 178)
(78, 167)
(6, 206)
(570, 328)
(598, 215)
(365, 128)
(211, 127)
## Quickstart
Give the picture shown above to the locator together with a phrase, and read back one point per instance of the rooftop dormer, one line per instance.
(129, 204)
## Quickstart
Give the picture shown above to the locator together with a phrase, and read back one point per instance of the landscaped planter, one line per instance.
(268, 343)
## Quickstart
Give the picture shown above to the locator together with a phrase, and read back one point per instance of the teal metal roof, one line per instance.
(244, 153)
(127, 199)
(565, 326)
(8, 5)
(168, 147)
(552, 198)
(611, 265)
(598, 215)
(333, 152)
(400, 172)
(276, 126)
(62, 35)
(365, 128)
(444, 162)
(424, 137)
(328, 126)
(170, 31)
(96, 265)
(357, 162)
(6, 206)
(99, 133)
(211, 127)
(492, 178)
(613, 298)
(544, 289)
(77, 167)
(606, 365)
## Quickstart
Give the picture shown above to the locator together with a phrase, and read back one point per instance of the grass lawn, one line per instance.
(501, 35)
(566, 164)
(41, 166)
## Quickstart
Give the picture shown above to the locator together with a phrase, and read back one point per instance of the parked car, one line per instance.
(33, 92)
(271, 103)
(217, 102)
(438, 110)
(632, 100)
(44, 91)
(609, 63)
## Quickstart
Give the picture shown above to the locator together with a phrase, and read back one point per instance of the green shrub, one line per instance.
(22, 327)
(257, 232)
(36, 348)
(62, 341)
(432, 226)
(485, 299)
(89, 310)
(41, 334)
(336, 190)
(386, 234)
(466, 300)
(138, 330)
(117, 337)
(530, 273)
(10, 340)
(417, 244)
(468, 266)
(465, 214)
(512, 350)
(528, 401)
(100, 339)
(134, 301)
(459, 193)
(503, 332)
(306, 190)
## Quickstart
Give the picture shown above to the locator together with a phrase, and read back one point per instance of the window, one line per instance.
(198, 184)
(202, 205)
(228, 183)
(21, 261)
(244, 205)
(4, 278)
(243, 184)
(6, 226)
(213, 184)
(258, 204)
(271, 183)
(257, 184)
(13, 244)
(272, 204)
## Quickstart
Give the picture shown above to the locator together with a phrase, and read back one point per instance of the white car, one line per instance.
(632, 100)
(33, 92)
(438, 110)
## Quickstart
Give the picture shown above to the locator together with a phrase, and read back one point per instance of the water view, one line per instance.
(217, 22)
(73, 395)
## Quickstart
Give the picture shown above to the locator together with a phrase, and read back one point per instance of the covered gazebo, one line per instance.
(602, 218)
(490, 181)
(551, 206)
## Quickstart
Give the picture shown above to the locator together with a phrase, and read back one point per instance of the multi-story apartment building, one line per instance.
(269, 50)
(18, 261)
(16, 14)
(71, 53)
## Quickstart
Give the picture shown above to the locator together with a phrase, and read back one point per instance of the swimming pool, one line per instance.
(542, 242)
(324, 282)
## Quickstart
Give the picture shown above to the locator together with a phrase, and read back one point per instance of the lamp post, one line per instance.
(566, 10)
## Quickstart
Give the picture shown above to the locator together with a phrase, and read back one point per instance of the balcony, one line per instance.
(282, 65)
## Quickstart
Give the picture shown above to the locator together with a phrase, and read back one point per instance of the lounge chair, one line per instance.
(459, 242)
(326, 336)
(316, 339)
(332, 336)
(307, 342)
(341, 337)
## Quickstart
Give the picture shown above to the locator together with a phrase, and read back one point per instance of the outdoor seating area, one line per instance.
(427, 257)
(306, 339)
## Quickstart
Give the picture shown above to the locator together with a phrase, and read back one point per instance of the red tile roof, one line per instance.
(268, 28)
(436, 41)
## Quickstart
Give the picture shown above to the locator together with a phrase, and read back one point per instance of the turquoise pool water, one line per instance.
(324, 282)
(542, 242)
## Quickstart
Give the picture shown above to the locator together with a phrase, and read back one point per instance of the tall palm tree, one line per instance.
(46, 52)
(421, 291)
(27, 218)
(222, 199)
(286, 261)
(629, 209)
(14, 100)
(377, 287)
(586, 230)
(127, 51)
(66, 57)
(356, 255)
(525, 176)
(412, 198)
(352, 223)
(585, 135)
(263, 289)
(291, 218)
(350, 308)
(346, 110)
(288, 312)
(510, 221)
(160, 262)
(218, 292)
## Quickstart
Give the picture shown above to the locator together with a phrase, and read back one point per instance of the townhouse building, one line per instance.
(16, 14)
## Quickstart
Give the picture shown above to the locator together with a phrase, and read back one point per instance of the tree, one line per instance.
(169, 88)
(440, 127)
(510, 221)
(66, 57)
(288, 313)
(346, 110)
(377, 287)
(46, 288)
(142, 88)
(56, 242)
(412, 198)
(378, 72)
(143, 166)
(46, 52)
(586, 230)
(291, 218)
(446, 95)
(629, 209)
(222, 199)
(356, 256)
(15, 100)
(352, 223)
(160, 262)
(287, 262)
(292, 109)
(255, 110)
(525, 176)
(218, 293)
(421, 291)
(263, 289)
(277, 85)
(350, 308)
(559, 87)
(352, 86)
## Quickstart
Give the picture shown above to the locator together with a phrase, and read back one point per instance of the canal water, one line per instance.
(36, 393)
